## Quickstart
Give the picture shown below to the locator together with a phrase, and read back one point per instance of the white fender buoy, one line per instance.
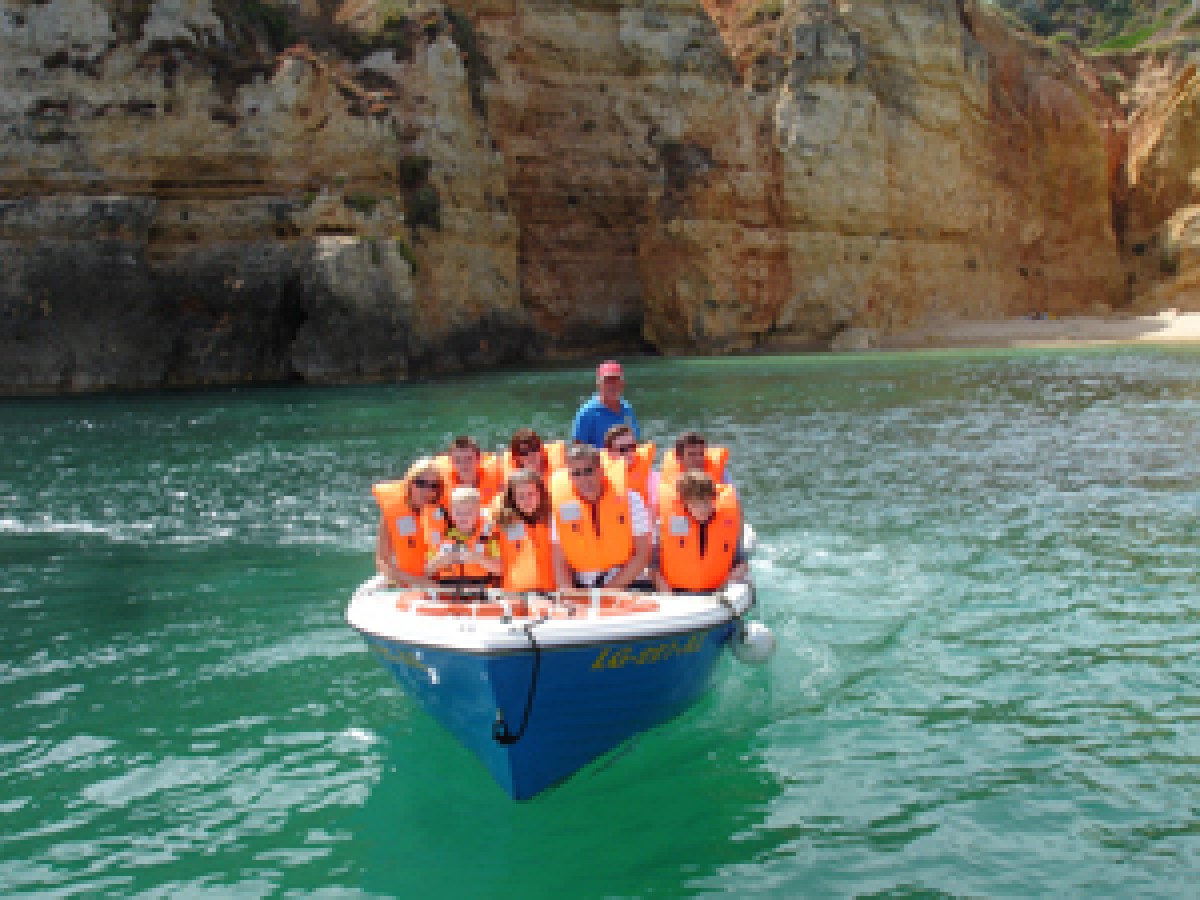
(749, 540)
(739, 597)
(754, 643)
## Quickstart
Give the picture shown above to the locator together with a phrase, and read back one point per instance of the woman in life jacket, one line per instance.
(522, 529)
(699, 536)
(621, 447)
(527, 451)
(465, 553)
(405, 505)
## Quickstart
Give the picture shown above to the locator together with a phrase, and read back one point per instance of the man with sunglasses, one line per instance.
(605, 408)
(600, 530)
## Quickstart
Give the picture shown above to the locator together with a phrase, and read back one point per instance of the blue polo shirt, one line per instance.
(594, 419)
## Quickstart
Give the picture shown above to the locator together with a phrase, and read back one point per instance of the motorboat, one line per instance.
(538, 685)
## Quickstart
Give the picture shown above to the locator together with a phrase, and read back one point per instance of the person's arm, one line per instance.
(652, 481)
(383, 553)
(442, 559)
(385, 562)
(558, 562)
(580, 425)
(639, 523)
(740, 565)
(489, 559)
(636, 565)
(660, 583)
(726, 478)
(435, 562)
(562, 572)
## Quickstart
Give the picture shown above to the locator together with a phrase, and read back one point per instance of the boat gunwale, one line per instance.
(497, 637)
(542, 646)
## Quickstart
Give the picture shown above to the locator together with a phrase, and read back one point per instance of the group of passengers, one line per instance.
(555, 516)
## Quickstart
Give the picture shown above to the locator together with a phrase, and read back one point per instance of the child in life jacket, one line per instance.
(699, 536)
(464, 464)
(521, 517)
(466, 553)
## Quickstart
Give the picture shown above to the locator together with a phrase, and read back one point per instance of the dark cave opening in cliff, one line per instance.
(290, 317)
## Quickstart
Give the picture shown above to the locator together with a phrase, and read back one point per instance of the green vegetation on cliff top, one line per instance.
(1108, 24)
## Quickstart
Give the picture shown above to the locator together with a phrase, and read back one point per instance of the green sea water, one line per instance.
(981, 569)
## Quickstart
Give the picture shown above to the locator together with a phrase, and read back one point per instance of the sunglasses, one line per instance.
(527, 451)
(427, 483)
(582, 473)
(624, 448)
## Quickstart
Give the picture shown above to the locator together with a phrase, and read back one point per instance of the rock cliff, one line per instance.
(1161, 206)
(211, 191)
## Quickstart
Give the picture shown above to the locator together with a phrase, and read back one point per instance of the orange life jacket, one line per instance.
(637, 473)
(682, 563)
(525, 551)
(478, 540)
(593, 537)
(489, 484)
(435, 520)
(715, 459)
(554, 454)
(405, 525)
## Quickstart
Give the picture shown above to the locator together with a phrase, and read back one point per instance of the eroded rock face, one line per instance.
(1162, 207)
(181, 204)
(207, 191)
(904, 161)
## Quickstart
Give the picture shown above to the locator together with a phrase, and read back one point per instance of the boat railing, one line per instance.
(494, 603)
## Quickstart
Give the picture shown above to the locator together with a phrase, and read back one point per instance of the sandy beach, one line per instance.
(1168, 327)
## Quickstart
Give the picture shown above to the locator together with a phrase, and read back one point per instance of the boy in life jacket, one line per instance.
(699, 536)
(464, 464)
(465, 553)
(692, 453)
(405, 507)
(600, 530)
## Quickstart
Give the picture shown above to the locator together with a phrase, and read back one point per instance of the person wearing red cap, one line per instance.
(605, 409)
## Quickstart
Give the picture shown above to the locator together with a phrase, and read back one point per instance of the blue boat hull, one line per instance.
(586, 700)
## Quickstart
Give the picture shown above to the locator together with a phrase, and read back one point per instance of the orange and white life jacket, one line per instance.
(637, 473)
(554, 454)
(405, 525)
(684, 564)
(598, 536)
(435, 520)
(715, 460)
(490, 482)
(480, 541)
(526, 554)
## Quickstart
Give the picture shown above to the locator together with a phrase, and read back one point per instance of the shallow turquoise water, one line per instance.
(981, 568)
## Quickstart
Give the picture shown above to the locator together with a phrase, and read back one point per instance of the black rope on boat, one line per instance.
(500, 732)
